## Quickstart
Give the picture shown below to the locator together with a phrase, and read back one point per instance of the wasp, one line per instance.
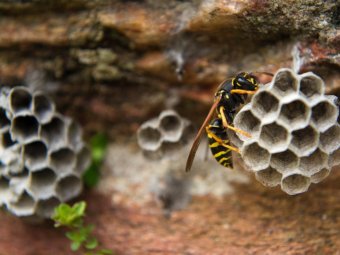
(230, 94)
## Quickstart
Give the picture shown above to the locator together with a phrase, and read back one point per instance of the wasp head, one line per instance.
(245, 81)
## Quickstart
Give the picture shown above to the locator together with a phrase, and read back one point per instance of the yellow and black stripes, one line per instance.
(221, 154)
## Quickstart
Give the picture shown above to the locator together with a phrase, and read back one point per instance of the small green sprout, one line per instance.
(98, 146)
(80, 235)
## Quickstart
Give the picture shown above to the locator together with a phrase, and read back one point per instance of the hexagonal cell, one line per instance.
(324, 115)
(170, 124)
(68, 187)
(285, 83)
(269, 177)
(25, 128)
(169, 148)
(4, 121)
(6, 140)
(265, 106)
(4, 190)
(74, 136)
(35, 154)
(330, 139)
(320, 176)
(20, 100)
(255, 156)
(63, 161)
(313, 163)
(149, 138)
(295, 114)
(295, 183)
(54, 133)
(45, 208)
(43, 108)
(83, 160)
(334, 158)
(42, 183)
(311, 86)
(246, 121)
(274, 138)
(284, 161)
(304, 141)
(24, 206)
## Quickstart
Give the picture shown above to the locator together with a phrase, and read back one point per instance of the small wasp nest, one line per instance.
(295, 135)
(163, 135)
(42, 155)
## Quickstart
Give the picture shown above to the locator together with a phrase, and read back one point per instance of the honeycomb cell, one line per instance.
(169, 148)
(42, 183)
(285, 161)
(4, 190)
(25, 128)
(24, 206)
(265, 106)
(334, 158)
(20, 100)
(284, 83)
(83, 160)
(320, 176)
(35, 154)
(68, 187)
(304, 141)
(269, 177)
(170, 124)
(274, 138)
(4, 121)
(43, 108)
(74, 136)
(6, 140)
(255, 156)
(246, 121)
(149, 138)
(63, 161)
(54, 133)
(295, 183)
(330, 139)
(45, 208)
(311, 87)
(324, 115)
(313, 163)
(295, 114)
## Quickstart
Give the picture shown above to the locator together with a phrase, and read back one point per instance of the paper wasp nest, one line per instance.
(42, 155)
(295, 135)
(163, 135)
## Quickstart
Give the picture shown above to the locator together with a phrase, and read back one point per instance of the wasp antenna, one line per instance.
(198, 137)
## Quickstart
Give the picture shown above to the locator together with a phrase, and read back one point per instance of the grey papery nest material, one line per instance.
(295, 135)
(42, 154)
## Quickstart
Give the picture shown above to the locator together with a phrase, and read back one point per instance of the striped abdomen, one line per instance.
(222, 154)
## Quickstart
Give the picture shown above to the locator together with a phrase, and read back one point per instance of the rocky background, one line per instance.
(111, 65)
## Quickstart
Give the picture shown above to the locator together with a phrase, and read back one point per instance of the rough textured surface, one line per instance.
(295, 134)
(101, 54)
(42, 155)
(252, 220)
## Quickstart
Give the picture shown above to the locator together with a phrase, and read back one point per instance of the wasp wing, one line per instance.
(198, 137)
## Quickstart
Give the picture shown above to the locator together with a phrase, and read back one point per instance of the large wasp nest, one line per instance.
(163, 135)
(295, 135)
(42, 155)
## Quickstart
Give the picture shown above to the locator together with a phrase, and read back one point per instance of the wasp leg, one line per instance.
(226, 125)
(241, 91)
(220, 141)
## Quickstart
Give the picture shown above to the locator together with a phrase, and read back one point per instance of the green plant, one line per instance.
(80, 235)
(98, 146)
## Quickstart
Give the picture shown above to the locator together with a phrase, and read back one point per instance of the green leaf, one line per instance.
(75, 246)
(92, 175)
(98, 145)
(92, 243)
(105, 252)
